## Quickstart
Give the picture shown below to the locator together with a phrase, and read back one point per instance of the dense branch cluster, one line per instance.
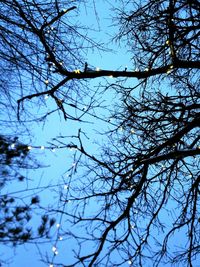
(162, 32)
(40, 60)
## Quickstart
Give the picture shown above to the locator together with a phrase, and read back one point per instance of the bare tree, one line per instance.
(145, 182)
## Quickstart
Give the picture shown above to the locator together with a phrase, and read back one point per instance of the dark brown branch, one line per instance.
(130, 74)
(48, 92)
(60, 14)
(193, 124)
(124, 215)
(172, 155)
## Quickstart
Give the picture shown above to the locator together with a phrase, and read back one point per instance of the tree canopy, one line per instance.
(138, 193)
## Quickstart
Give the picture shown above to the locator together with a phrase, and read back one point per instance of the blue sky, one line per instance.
(56, 163)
